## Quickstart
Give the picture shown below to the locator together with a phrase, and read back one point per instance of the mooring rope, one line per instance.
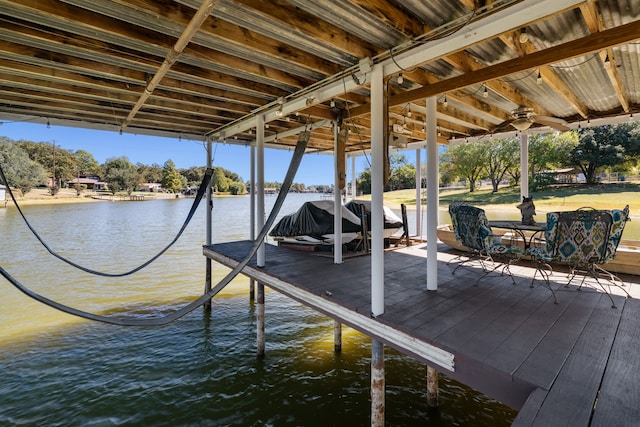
(163, 320)
(203, 187)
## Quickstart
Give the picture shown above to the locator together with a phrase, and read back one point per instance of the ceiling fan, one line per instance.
(524, 117)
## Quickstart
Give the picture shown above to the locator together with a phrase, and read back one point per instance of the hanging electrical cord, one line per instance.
(163, 320)
(203, 187)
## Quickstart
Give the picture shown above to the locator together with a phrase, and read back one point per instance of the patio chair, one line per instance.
(620, 218)
(472, 230)
(578, 239)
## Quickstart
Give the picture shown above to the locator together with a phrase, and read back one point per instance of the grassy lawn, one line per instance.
(600, 196)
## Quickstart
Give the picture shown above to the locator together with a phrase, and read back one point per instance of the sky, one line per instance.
(315, 169)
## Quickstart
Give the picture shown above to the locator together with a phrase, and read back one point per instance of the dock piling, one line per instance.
(337, 336)
(260, 321)
(377, 383)
(432, 387)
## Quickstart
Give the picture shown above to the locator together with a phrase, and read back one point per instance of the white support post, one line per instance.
(377, 191)
(418, 193)
(337, 199)
(252, 212)
(524, 165)
(354, 189)
(377, 241)
(260, 185)
(432, 195)
(209, 229)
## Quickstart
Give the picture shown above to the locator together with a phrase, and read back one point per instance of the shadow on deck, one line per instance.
(552, 362)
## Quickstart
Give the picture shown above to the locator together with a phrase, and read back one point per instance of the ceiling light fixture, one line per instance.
(485, 94)
(444, 101)
(524, 37)
(539, 78)
(400, 79)
(409, 111)
(607, 62)
(332, 104)
(521, 124)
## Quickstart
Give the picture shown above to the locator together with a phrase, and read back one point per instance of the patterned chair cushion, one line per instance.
(582, 236)
(620, 218)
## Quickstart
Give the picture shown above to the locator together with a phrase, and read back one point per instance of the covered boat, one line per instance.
(392, 223)
(312, 224)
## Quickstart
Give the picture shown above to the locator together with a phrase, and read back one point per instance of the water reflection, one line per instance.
(200, 370)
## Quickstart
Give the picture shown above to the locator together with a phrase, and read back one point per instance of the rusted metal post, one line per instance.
(377, 383)
(432, 387)
(260, 321)
(337, 336)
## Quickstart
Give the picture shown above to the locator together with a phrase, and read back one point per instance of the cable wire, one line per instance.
(203, 187)
(163, 320)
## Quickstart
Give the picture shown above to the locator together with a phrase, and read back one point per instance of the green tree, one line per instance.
(193, 175)
(602, 146)
(151, 173)
(120, 174)
(236, 188)
(49, 154)
(171, 179)
(220, 182)
(86, 164)
(466, 161)
(502, 155)
(21, 172)
(363, 181)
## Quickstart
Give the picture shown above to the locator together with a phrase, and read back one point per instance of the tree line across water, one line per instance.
(28, 164)
(590, 151)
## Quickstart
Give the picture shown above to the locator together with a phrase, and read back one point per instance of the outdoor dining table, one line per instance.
(520, 228)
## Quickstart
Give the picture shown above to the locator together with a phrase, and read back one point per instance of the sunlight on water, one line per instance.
(202, 370)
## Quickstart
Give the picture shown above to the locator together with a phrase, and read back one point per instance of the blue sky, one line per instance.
(315, 168)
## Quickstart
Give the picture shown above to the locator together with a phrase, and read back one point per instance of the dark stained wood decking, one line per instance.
(574, 363)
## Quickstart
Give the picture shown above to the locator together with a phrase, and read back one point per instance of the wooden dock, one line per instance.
(574, 363)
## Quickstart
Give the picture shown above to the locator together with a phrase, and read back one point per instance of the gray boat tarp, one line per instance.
(391, 220)
(315, 219)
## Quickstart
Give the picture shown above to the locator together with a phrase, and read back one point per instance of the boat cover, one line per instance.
(391, 220)
(315, 219)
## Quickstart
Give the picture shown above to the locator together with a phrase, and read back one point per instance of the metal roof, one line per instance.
(196, 69)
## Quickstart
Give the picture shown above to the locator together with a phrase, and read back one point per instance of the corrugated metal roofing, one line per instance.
(89, 64)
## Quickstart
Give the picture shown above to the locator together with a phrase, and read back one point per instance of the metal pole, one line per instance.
(432, 387)
(432, 195)
(260, 185)
(252, 213)
(377, 191)
(260, 339)
(209, 228)
(524, 165)
(337, 199)
(377, 384)
(354, 183)
(418, 193)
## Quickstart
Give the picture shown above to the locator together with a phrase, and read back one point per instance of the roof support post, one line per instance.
(209, 227)
(252, 211)
(337, 193)
(432, 195)
(260, 183)
(377, 189)
(418, 194)
(354, 183)
(524, 165)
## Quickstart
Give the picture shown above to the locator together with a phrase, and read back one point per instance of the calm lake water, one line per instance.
(201, 370)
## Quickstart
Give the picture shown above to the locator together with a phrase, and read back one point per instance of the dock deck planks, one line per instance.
(553, 362)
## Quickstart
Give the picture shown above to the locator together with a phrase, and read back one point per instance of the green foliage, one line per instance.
(21, 172)
(151, 173)
(601, 146)
(467, 161)
(237, 188)
(171, 179)
(219, 181)
(120, 174)
(363, 182)
(502, 155)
